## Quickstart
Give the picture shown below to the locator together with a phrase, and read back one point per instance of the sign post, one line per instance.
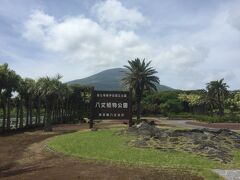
(91, 108)
(130, 123)
(111, 105)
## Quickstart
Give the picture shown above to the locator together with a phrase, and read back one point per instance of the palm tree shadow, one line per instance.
(12, 172)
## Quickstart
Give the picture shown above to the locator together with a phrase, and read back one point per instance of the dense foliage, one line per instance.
(215, 104)
(25, 102)
(161, 103)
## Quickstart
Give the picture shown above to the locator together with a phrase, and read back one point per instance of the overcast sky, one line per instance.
(189, 42)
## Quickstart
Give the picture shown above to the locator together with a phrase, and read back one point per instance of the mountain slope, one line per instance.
(108, 80)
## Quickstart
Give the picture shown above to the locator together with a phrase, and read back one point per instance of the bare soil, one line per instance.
(24, 155)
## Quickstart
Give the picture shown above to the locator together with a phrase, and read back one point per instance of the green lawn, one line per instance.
(105, 145)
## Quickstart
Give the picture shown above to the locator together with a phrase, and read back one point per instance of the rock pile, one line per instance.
(213, 144)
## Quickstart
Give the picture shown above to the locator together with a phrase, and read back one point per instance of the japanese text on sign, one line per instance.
(111, 104)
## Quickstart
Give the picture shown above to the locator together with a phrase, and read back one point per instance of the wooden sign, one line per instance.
(111, 105)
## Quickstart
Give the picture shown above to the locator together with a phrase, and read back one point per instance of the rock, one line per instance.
(94, 129)
(216, 144)
(196, 141)
(161, 134)
(152, 123)
(237, 145)
(228, 174)
(141, 143)
(227, 142)
(174, 140)
(197, 130)
(145, 129)
(204, 137)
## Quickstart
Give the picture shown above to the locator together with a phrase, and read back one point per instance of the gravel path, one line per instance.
(228, 174)
(181, 123)
(198, 125)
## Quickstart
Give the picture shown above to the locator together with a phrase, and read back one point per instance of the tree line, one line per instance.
(26, 103)
(48, 100)
(216, 102)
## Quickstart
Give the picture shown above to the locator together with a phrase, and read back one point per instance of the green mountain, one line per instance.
(108, 80)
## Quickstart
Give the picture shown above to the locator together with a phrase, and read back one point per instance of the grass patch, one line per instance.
(105, 145)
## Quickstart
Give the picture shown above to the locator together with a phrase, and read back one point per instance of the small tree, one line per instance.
(139, 77)
(217, 93)
(233, 103)
(194, 101)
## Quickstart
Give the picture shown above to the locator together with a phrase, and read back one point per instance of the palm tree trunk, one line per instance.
(48, 126)
(4, 117)
(205, 109)
(38, 112)
(79, 115)
(53, 115)
(17, 116)
(221, 110)
(211, 110)
(138, 112)
(72, 115)
(30, 111)
(65, 115)
(59, 115)
(220, 106)
(27, 116)
(62, 115)
(21, 113)
(45, 115)
(57, 112)
(8, 114)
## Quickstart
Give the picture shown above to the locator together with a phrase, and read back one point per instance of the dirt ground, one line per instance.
(233, 126)
(25, 156)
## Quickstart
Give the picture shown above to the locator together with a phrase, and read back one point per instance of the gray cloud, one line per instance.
(188, 47)
(113, 14)
(234, 18)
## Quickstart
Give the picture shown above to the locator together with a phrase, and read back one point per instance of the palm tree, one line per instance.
(3, 82)
(17, 104)
(139, 77)
(217, 93)
(11, 84)
(76, 101)
(27, 90)
(49, 88)
(66, 93)
(3, 106)
(21, 96)
(38, 100)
